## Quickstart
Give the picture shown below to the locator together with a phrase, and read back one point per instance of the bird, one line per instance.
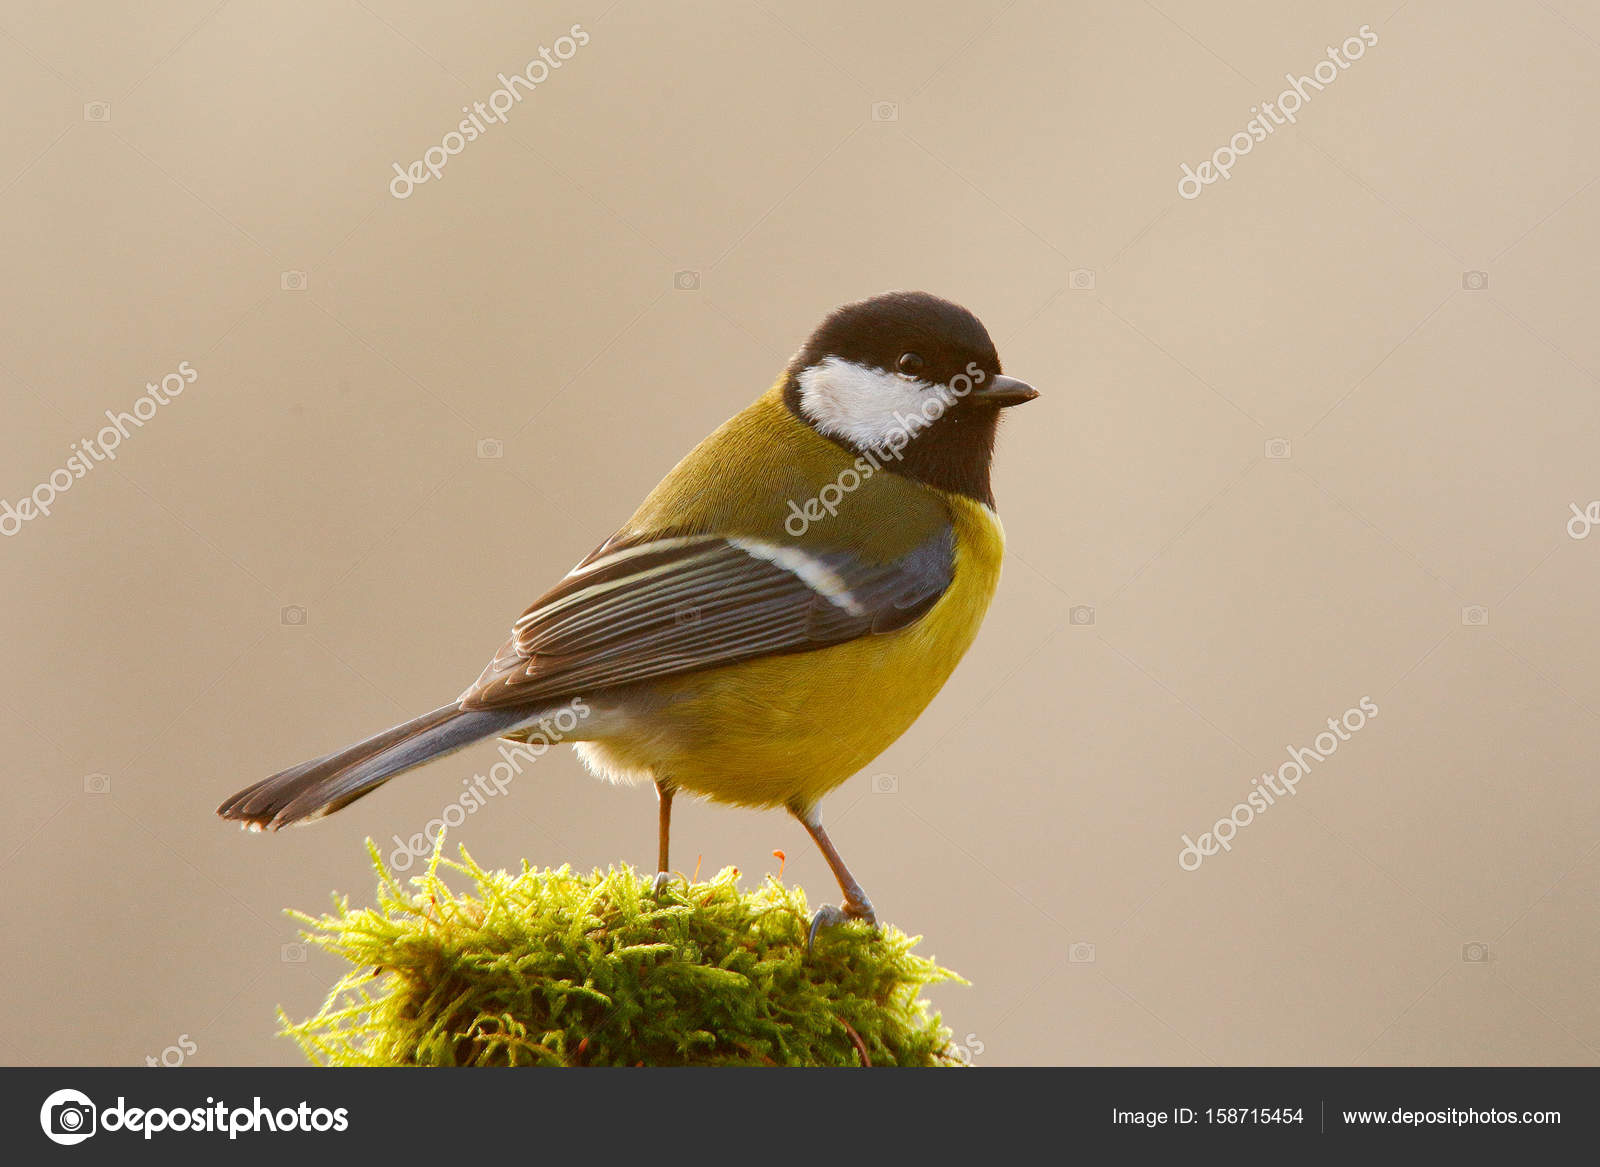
(778, 611)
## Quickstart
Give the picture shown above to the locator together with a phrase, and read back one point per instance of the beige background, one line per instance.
(328, 458)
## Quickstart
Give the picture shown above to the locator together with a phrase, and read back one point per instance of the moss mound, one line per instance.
(554, 968)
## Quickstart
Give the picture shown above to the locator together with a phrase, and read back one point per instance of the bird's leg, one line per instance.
(856, 904)
(664, 795)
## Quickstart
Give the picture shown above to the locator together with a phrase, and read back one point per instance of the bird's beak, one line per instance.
(1003, 391)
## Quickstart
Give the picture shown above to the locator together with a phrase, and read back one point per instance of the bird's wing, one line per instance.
(677, 604)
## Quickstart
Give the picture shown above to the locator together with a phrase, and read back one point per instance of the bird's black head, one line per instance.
(911, 379)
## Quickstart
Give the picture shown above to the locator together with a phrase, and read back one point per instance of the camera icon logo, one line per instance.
(294, 616)
(1081, 953)
(1080, 615)
(1081, 279)
(293, 281)
(68, 1117)
(885, 111)
(292, 954)
(490, 448)
(1474, 281)
(97, 783)
(97, 111)
(1475, 953)
(885, 784)
(1475, 615)
(686, 280)
(1278, 449)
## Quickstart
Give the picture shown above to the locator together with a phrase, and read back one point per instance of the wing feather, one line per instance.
(680, 604)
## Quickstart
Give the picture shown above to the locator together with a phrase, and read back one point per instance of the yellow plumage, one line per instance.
(784, 730)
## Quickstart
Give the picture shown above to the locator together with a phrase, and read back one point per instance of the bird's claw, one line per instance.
(828, 915)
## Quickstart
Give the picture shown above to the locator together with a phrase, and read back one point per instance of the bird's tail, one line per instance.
(323, 785)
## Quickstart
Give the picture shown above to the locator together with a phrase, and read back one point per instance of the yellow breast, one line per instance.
(785, 730)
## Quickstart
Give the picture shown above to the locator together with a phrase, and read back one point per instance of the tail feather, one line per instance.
(323, 785)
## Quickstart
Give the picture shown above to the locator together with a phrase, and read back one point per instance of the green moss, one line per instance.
(553, 968)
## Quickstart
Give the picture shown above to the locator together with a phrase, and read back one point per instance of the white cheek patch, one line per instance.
(865, 407)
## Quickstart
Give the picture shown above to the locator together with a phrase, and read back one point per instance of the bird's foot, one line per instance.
(828, 915)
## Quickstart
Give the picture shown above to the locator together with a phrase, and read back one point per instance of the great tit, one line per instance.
(779, 610)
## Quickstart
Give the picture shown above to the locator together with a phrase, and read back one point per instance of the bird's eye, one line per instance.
(910, 364)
